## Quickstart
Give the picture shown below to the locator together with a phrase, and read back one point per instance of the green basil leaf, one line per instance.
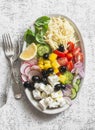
(29, 36)
(42, 21)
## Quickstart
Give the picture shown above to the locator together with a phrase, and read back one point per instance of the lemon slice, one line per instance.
(29, 53)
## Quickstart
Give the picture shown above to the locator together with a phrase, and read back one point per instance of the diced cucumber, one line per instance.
(76, 87)
(78, 81)
(73, 93)
(42, 49)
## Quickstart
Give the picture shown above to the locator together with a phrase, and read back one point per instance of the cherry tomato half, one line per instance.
(70, 46)
(76, 50)
(70, 65)
(62, 61)
(69, 56)
(79, 57)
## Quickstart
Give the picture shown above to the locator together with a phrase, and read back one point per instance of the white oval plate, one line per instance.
(29, 94)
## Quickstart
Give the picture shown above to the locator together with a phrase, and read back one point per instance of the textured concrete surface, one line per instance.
(15, 17)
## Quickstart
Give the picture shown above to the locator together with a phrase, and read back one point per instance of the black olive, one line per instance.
(50, 70)
(61, 48)
(62, 69)
(44, 80)
(36, 78)
(29, 85)
(63, 86)
(46, 55)
(31, 88)
(44, 73)
(57, 87)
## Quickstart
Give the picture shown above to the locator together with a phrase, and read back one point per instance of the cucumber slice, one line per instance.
(78, 81)
(42, 49)
(73, 93)
(76, 87)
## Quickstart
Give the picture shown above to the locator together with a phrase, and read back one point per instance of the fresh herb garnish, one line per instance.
(41, 26)
(44, 20)
(29, 36)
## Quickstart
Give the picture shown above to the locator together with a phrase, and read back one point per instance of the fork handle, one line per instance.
(16, 87)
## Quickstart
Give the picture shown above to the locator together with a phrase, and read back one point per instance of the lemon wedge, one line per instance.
(29, 53)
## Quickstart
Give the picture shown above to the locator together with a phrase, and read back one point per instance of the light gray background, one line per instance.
(15, 17)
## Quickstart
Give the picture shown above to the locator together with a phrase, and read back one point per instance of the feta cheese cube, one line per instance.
(36, 94)
(39, 86)
(42, 104)
(48, 89)
(42, 87)
(53, 78)
(44, 95)
(36, 85)
(48, 100)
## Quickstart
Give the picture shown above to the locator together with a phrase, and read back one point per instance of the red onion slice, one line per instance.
(22, 68)
(67, 92)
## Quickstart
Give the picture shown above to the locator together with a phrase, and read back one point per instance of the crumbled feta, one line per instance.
(61, 101)
(57, 94)
(36, 94)
(53, 104)
(43, 104)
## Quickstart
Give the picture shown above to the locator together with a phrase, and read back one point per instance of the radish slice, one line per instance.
(35, 67)
(33, 61)
(26, 62)
(27, 70)
(22, 68)
(24, 78)
(33, 73)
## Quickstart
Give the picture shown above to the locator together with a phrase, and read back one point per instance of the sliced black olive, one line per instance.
(44, 73)
(29, 85)
(36, 78)
(62, 69)
(50, 70)
(61, 48)
(57, 87)
(44, 80)
(63, 86)
(46, 55)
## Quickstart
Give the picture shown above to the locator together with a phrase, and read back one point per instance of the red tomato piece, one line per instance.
(71, 46)
(79, 57)
(76, 51)
(66, 51)
(60, 54)
(62, 61)
(70, 65)
(69, 56)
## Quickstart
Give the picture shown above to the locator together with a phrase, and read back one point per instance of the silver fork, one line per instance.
(9, 53)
